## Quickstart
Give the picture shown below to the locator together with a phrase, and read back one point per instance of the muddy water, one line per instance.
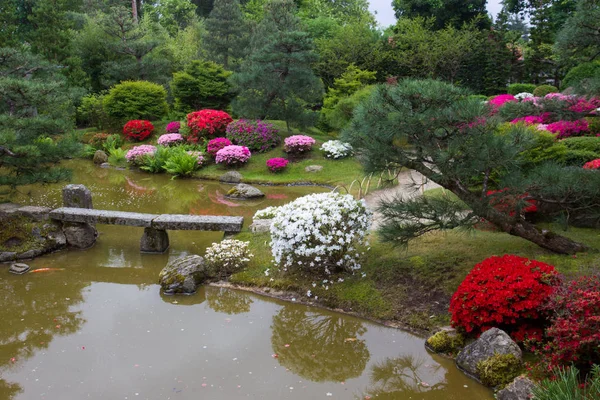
(98, 328)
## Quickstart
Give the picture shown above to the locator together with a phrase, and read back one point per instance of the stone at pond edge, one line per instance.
(520, 389)
(100, 157)
(154, 241)
(492, 341)
(183, 275)
(80, 235)
(244, 191)
(261, 226)
(445, 341)
(19, 268)
(77, 196)
(231, 177)
(313, 168)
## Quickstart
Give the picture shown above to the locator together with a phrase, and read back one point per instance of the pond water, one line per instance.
(97, 327)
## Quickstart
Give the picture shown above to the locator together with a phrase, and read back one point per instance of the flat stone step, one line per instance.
(198, 222)
(91, 216)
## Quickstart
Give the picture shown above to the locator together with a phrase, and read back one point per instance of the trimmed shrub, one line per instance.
(216, 144)
(91, 112)
(298, 144)
(585, 143)
(584, 71)
(500, 100)
(207, 123)
(505, 292)
(256, 135)
(517, 88)
(170, 139)
(277, 164)
(336, 149)
(173, 127)
(138, 129)
(233, 155)
(227, 257)
(543, 90)
(136, 100)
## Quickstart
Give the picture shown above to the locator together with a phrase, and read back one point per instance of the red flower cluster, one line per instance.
(594, 164)
(505, 292)
(206, 123)
(216, 144)
(138, 129)
(508, 203)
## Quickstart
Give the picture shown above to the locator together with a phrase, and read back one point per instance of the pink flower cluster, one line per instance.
(198, 155)
(216, 144)
(138, 151)
(528, 120)
(173, 127)
(594, 164)
(233, 155)
(583, 105)
(564, 129)
(169, 139)
(277, 164)
(557, 96)
(298, 144)
(500, 100)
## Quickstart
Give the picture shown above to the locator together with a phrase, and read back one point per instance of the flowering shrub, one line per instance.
(594, 164)
(257, 135)
(583, 105)
(173, 127)
(205, 123)
(336, 149)
(232, 155)
(169, 139)
(198, 155)
(298, 144)
(500, 100)
(524, 95)
(505, 292)
(277, 164)
(557, 96)
(97, 141)
(228, 256)
(507, 203)
(216, 144)
(564, 129)
(528, 120)
(320, 232)
(134, 154)
(138, 129)
(266, 213)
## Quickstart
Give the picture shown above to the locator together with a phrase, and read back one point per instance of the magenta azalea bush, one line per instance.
(277, 164)
(298, 144)
(170, 139)
(565, 129)
(257, 135)
(173, 127)
(217, 144)
(500, 100)
(233, 155)
(134, 154)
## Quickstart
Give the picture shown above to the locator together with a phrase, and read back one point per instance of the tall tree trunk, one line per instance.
(134, 10)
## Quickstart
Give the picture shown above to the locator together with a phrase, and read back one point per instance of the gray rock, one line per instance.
(520, 389)
(261, 225)
(91, 216)
(77, 196)
(492, 341)
(80, 235)
(9, 208)
(313, 168)
(183, 275)
(105, 165)
(30, 254)
(8, 256)
(231, 177)
(19, 268)
(100, 157)
(36, 232)
(244, 191)
(198, 222)
(35, 213)
(57, 239)
(154, 241)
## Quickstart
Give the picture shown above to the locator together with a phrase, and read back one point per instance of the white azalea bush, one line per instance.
(524, 95)
(336, 149)
(227, 257)
(266, 213)
(320, 232)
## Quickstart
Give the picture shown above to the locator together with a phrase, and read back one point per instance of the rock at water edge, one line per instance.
(100, 157)
(183, 275)
(80, 235)
(19, 268)
(154, 241)
(231, 177)
(520, 389)
(244, 191)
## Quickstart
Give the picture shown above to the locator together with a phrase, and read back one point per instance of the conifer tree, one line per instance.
(277, 81)
(227, 32)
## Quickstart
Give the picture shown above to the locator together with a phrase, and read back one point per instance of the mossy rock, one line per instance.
(183, 275)
(499, 370)
(446, 342)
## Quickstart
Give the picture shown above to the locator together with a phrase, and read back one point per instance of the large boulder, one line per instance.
(520, 389)
(491, 342)
(231, 177)
(244, 191)
(183, 275)
(80, 235)
(100, 157)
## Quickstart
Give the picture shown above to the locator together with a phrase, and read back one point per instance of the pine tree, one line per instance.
(34, 109)
(227, 33)
(277, 81)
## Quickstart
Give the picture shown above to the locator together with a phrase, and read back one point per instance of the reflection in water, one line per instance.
(185, 300)
(319, 346)
(228, 301)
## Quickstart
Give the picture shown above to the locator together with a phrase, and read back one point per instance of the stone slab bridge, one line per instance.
(78, 212)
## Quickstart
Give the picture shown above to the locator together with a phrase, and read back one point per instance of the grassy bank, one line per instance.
(410, 287)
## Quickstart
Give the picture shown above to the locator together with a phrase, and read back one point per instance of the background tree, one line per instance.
(227, 32)
(173, 15)
(277, 81)
(579, 37)
(445, 12)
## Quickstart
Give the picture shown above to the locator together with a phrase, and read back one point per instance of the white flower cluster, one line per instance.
(228, 256)
(320, 231)
(524, 95)
(266, 213)
(336, 149)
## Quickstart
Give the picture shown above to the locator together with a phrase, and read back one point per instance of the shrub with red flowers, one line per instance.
(565, 129)
(500, 100)
(507, 292)
(594, 164)
(507, 203)
(138, 129)
(207, 123)
(216, 144)
(173, 127)
(277, 164)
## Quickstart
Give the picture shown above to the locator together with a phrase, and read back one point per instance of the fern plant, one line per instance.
(180, 163)
(155, 163)
(116, 157)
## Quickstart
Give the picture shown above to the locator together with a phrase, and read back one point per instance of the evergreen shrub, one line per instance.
(136, 100)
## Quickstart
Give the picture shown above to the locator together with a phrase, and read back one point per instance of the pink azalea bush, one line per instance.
(217, 144)
(500, 100)
(594, 164)
(583, 105)
(233, 155)
(298, 144)
(277, 164)
(564, 129)
(256, 135)
(528, 120)
(173, 127)
(169, 139)
(198, 155)
(135, 153)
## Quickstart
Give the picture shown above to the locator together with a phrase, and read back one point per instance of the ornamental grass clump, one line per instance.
(320, 232)
(206, 124)
(227, 257)
(173, 127)
(277, 164)
(298, 144)
(170, 139)
(135, 154)
(216, 144)
(256, 135)
(233, 155)
(336, 149)
(138, 129)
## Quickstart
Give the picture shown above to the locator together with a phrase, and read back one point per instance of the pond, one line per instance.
(97, 327)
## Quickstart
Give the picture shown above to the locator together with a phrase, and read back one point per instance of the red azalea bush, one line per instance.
(205, 123)
(507, 203)
(217, 144)
(565, 129)
(277, 164)
(138, 129)
(594, 164)
(505, 292)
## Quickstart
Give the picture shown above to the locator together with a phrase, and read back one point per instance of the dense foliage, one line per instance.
(259, 136)
(136, 100)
